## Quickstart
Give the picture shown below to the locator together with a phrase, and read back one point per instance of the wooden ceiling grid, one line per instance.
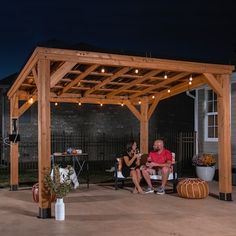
(88, 76)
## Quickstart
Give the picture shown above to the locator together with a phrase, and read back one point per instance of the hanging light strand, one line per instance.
(165, 76)
(190, 80)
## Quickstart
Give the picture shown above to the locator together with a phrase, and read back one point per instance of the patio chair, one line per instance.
(156, 177)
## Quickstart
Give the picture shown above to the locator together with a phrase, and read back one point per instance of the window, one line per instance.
(211, 130)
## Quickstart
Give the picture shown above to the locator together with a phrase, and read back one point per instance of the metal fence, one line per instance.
(101, 148)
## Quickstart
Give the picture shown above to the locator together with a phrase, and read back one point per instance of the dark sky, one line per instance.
(196, 30)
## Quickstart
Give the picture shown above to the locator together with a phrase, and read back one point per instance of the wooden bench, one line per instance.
(173, 176)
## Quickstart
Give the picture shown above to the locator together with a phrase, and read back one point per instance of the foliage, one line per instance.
(59, 184)
(204, 159)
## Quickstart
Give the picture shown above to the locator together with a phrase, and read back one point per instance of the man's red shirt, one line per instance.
(160, 158)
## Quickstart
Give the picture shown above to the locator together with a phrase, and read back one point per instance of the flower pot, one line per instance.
(60, 209)
(205, 172)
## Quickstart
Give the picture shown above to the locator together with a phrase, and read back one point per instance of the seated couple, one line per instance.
(159, 159)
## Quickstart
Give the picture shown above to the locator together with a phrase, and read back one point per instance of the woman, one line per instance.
(132, 164)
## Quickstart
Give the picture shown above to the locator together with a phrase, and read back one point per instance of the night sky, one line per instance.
(188, 30)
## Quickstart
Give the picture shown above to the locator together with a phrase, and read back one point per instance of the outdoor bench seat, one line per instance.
(173, 176)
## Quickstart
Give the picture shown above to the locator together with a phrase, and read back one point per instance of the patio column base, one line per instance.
(226, 196)
(44, 213)
(14, 187)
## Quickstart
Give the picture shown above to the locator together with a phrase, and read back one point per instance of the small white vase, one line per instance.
(59, 209)
(205, 172)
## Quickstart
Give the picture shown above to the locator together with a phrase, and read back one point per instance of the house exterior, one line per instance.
(206, 120)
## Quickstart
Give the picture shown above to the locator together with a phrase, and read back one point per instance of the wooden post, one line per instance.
(44, 136)
(14, 148)
(144, 125)
(224, 141)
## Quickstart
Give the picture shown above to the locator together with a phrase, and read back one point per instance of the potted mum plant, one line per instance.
(205, 166)
(59, 182)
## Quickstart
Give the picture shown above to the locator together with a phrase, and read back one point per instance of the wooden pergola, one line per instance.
(140, 83)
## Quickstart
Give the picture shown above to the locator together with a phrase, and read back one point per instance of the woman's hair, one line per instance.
(129, 146)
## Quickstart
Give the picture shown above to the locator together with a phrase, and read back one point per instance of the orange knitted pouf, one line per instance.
(193, 188)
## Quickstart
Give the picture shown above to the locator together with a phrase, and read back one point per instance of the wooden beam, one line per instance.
(108, 80)
(86, 100)
(159, 85)
(144, 126)
(224, 140)
(133, 61)
(35, 76)
(79, 78)
(14, 147)
(60, 72)
(183, 87)
(213, 83)
(133, 109)
(26, 106)
(153, 106)
(146, 76)
(44, 136)
(24, 73)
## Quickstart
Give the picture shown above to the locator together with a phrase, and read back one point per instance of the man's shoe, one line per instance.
(149, 190)
(161, 190)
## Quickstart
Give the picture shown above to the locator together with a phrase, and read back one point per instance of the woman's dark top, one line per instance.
(126, 169)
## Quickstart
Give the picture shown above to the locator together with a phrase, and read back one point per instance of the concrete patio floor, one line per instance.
(101, 210)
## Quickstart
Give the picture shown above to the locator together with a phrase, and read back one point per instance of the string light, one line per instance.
(165, 76)
(122, 104)
(190, 80)
(168, 90)
(55, 103)
(139, 102)
(79, 103)
(101, 104)
(30, 80)
(136, 71)
(153, 96)
(31, 101)
(103, 70)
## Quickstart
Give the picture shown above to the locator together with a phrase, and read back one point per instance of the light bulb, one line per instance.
(103, 70)
(101, 104)
(31, 101)
(190, 78)
(153, 96)
(139, 102)
(136, 71)
(168, 90)
(55, 103)
(190, 82)
(165, 76)
(79, 103)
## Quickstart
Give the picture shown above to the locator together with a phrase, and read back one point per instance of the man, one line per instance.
(159, 159)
